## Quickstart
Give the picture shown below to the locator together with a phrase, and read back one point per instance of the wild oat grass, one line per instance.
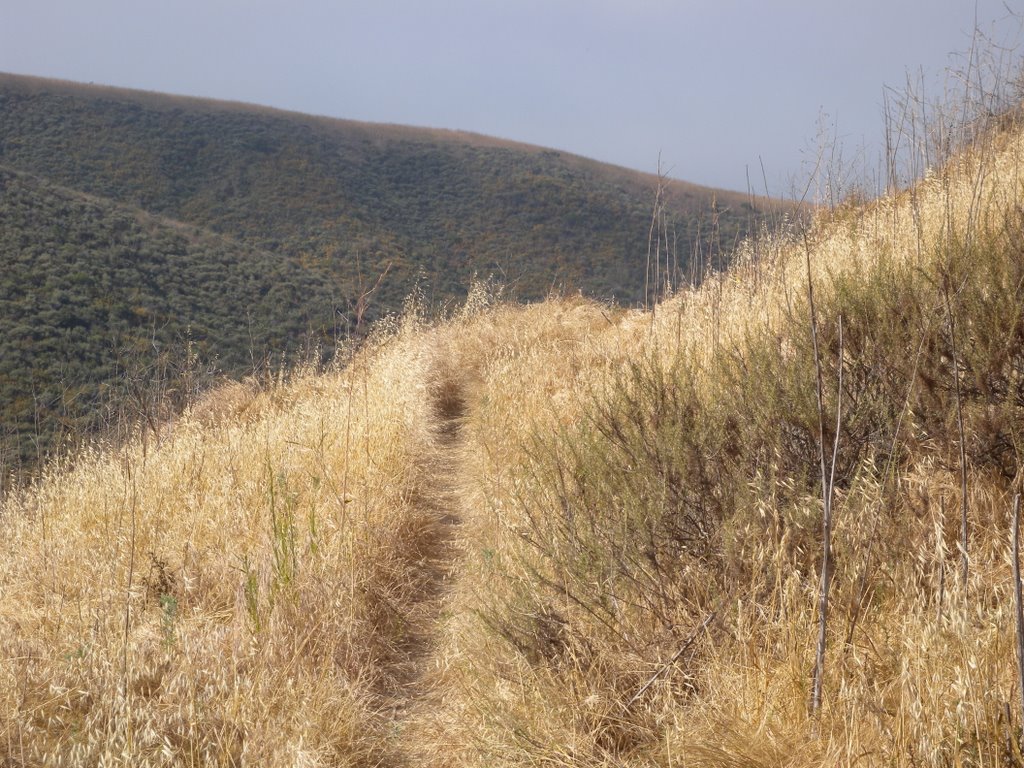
(634, 473)
(232, 595)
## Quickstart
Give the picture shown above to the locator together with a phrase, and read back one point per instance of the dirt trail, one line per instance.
(437, 500)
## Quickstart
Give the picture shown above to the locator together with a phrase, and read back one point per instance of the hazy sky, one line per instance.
(715, 86)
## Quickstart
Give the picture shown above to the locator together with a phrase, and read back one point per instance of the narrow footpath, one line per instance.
(438, 502)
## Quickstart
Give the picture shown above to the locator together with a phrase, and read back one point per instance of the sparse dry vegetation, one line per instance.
(567, 534)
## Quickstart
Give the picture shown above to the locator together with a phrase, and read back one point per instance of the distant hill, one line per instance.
(310, 210)
(99, 302)
(443, 203)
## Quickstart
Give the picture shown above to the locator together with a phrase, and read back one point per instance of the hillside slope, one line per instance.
(436, 205)
(102, 306)
(293, 219)
(567, 534)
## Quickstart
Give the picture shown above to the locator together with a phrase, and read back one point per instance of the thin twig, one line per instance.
(649, 301)
(131, 575)
(827, 567)
(827, 485)
(941, 556)
(1017, 600)
(689, 641)
(964, 531)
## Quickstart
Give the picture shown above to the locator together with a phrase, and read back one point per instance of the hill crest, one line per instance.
(381, 131)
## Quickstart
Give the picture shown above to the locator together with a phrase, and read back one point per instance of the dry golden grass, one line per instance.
(236, 593)
(453, 552)
(907, 684)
